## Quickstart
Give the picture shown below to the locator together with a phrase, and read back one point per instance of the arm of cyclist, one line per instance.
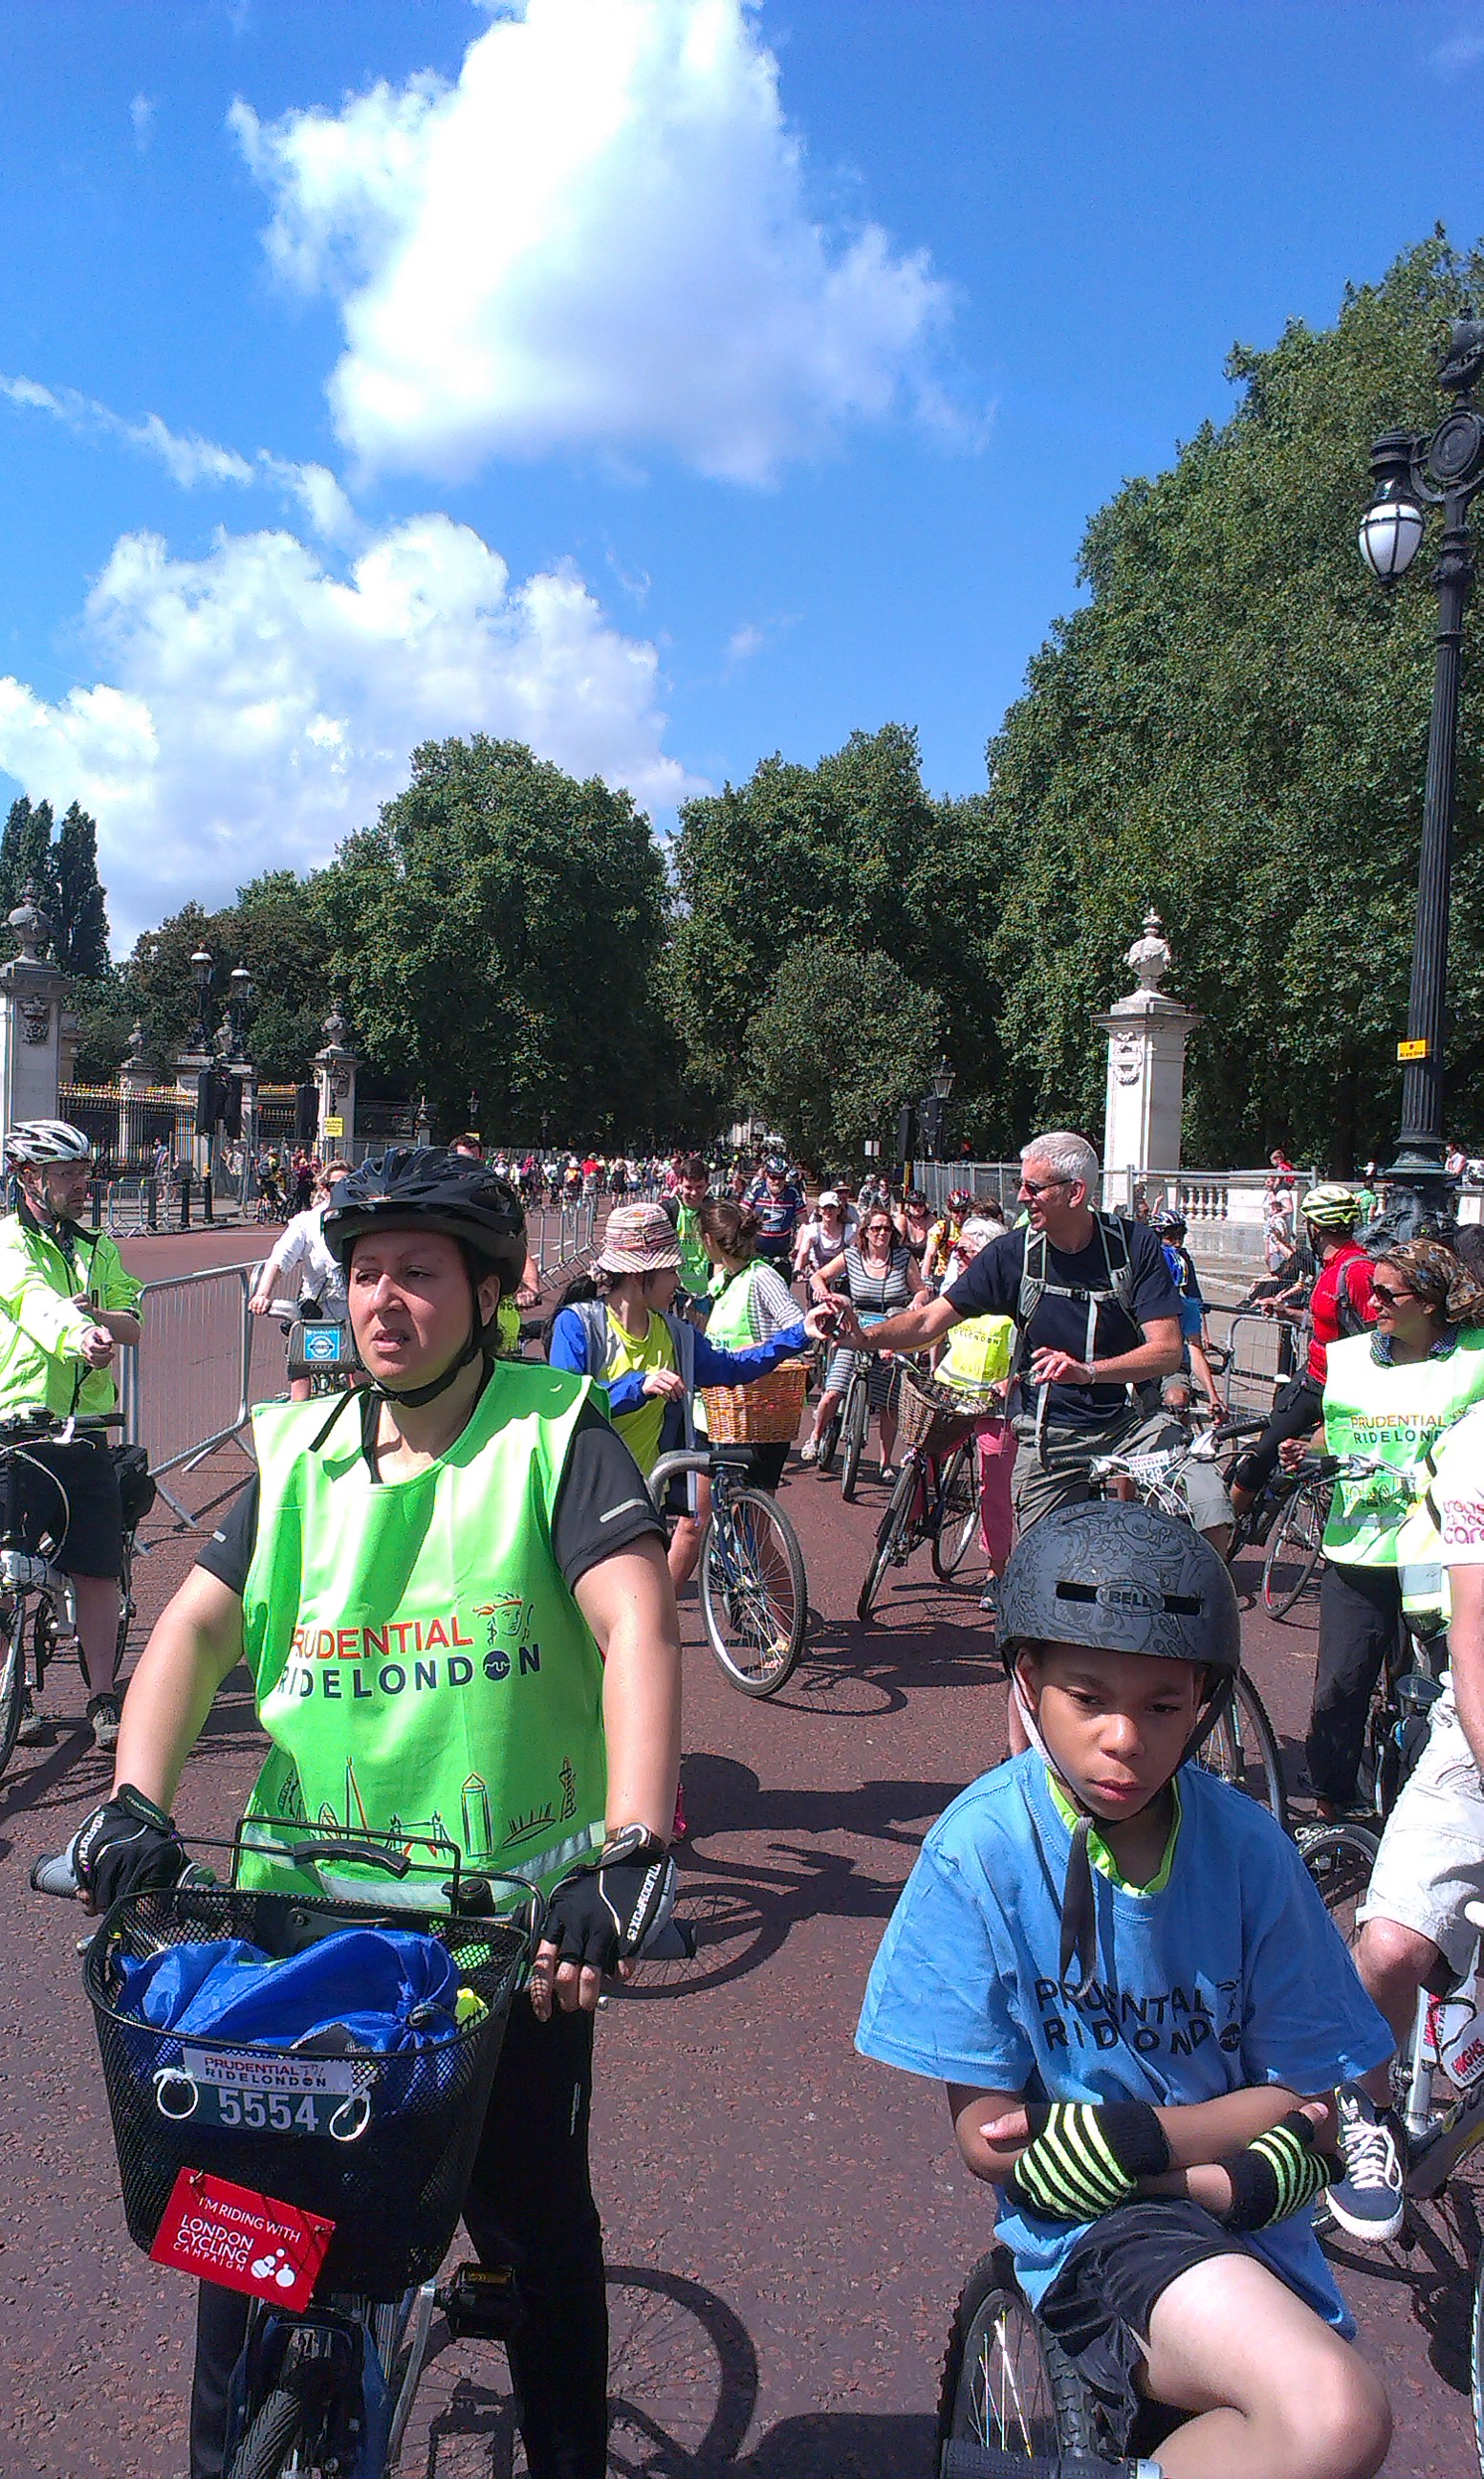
(1157, 1356)
(1246, 2153)
(1207, 1375)
(715, 1367)
(57, 1325)
(824, 1275)
(910, 1330)
(629, 1603)
(1466, 1653)
(1293, 1451)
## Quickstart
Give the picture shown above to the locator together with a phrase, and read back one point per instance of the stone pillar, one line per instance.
(30, 1019)
(187, 1073)
(1146, 1037)
(335, 1069)
(133, 1086)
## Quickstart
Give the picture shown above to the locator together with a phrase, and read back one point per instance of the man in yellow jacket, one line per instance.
(65, 1304)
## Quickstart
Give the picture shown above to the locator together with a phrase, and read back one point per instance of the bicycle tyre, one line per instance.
(853, 1424)
(1340, 1858)
(13, 1673)
(958, 1511)
(1296, 1542)
(126, 1608)
(829, 1440)
(891, 1536)
(270, 2437)
(730, 1608)
(1241, 1747)
(1004, 2386)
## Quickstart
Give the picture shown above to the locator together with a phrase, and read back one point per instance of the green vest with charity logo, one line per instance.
(1396, 1413)
(1422, 1566)
(418, 1658)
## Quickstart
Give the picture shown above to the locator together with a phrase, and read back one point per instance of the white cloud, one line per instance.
(1460, 53)
(141, 120)
(599, 240)
(745, 642)
(257, 707)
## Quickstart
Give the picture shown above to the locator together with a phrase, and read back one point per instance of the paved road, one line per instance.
(787, 2223)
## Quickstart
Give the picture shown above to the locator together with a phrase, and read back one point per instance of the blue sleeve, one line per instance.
(568, 1350)
(936, 2002)
(990, 1283)
(717, 1367)
(1154, 1292)
(1310, 2022)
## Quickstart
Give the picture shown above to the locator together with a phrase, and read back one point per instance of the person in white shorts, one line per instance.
(1414, 1931)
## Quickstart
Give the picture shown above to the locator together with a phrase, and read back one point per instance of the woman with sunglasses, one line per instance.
(881, 1276)
(1390, 1393)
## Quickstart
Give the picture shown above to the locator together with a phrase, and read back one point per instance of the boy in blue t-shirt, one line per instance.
(1120, 1968)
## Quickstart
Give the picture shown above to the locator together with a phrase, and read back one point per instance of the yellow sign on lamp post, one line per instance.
(335, 1127)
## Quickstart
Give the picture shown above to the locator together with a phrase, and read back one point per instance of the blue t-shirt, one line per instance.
(1232, 1974)
(1192, 1308)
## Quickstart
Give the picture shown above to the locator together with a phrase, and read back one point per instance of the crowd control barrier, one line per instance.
(1263, 1356)
(188, 1386)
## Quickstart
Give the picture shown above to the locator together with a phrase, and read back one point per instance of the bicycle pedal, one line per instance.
(482, 2303)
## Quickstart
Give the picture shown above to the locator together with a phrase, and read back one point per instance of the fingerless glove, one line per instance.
(1081, 2160)
(1278, 2175)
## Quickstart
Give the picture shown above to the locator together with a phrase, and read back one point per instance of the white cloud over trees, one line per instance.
(598, 240)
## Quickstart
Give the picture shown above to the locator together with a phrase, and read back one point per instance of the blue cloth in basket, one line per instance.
(389, 1989)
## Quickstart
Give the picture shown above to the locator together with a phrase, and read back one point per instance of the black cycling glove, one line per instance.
(126, 1846)
(603, 1913)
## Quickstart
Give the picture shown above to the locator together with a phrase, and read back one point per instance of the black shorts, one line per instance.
(1101, 2301)
(81, 1529)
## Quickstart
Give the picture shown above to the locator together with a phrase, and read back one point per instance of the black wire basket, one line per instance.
(383, 2149)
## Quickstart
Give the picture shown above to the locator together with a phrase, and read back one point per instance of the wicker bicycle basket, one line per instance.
(392, 2177)
(936, 1418)
(767, 1412)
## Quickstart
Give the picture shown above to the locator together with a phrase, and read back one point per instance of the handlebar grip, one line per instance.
(54, 1873)
(361, 1854)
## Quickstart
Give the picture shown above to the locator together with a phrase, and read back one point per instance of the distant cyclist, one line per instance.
(778, 1201)
(1340, 1305)
(1169, 1227)
(65, 1304)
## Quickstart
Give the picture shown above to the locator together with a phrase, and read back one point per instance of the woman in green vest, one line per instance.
(452, 1597)
(1389, 1392)
(749, 1304)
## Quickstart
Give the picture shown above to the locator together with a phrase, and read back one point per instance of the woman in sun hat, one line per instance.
(649, 1361)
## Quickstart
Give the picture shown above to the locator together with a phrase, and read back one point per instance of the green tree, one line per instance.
(81, 938)
(841, 1041)
(500, 933)
(26, 856)
(276, 930)
(1234, 727)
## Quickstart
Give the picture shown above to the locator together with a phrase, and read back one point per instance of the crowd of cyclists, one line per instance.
(1155, 2046)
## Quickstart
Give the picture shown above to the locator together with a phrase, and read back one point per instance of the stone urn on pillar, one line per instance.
(30, 1018)
(1147, 1034)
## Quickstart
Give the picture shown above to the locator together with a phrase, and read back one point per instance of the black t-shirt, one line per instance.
(601, 1505)
(992, 1284)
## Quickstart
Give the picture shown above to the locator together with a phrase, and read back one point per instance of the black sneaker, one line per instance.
(1368, 2201)
(33, 1731)
(103, 1719)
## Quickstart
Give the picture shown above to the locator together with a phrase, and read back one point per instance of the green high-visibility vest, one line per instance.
(1396, 1413)
(419, 1660)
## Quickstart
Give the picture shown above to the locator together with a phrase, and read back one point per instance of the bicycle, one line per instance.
(1298, 1535)
(37, 1605)
(322, 2390)
(754, 1590)
(1240, 1743)
(852, 1423)
(935, 1494)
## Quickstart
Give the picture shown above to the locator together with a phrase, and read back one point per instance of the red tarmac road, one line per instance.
(787, 2223)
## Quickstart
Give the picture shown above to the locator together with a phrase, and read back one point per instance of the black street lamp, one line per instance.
(1414, 472)
(929, 1111)
(202, 973)
(241, 996)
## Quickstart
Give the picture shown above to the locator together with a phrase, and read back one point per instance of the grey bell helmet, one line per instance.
(1121, 1578)
(1117, 1579)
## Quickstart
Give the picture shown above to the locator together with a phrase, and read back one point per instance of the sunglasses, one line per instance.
(1039, 1187)
(1388, 1298)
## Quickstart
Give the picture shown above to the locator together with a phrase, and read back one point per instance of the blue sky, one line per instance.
(664, 382)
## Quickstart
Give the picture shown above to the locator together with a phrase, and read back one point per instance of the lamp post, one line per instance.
(929, 1112)
(1414, 472)
(202, 973)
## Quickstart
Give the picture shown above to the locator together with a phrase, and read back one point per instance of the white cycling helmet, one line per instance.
(47, 1142)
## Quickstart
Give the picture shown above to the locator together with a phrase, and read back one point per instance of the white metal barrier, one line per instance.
(186, 1387)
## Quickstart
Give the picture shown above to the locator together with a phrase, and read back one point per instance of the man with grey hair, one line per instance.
(1098, 1326)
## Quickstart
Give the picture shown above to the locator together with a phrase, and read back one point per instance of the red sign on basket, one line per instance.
(245, 2240)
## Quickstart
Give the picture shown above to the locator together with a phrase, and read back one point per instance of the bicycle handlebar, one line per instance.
(360, 1854)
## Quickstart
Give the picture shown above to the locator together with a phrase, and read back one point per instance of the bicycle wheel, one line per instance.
(893, 1535)
(755, 1595)
(126, 1610)
(1293, 1550)
(830, 1438)
(1002, 2387)
(271, 2437)
(853, 1423)
(1241, 1747)
(1340, 1858)
(958, 1511)
(13, 1673)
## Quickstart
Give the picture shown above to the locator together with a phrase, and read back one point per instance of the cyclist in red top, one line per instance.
(1340, 1303)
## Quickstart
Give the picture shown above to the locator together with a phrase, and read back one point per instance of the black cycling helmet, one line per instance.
(1117, 1579)
(422, 1188)
(775, 1167)
(1120, 1579)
